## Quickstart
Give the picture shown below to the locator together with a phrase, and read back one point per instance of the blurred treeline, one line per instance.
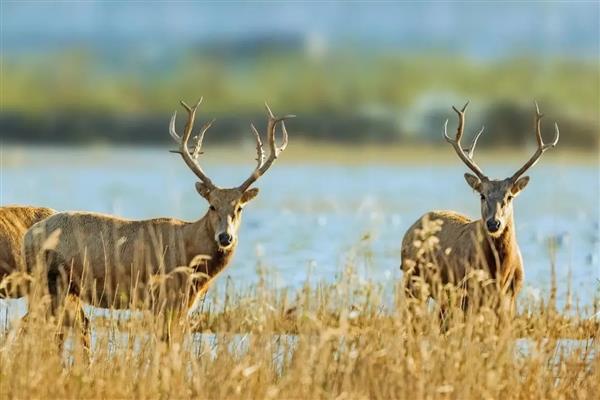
(77, 96)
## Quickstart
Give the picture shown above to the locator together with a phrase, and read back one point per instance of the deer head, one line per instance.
(496, 195)
(226, 205)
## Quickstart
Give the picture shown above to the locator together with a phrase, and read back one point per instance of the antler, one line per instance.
(262, 165)
(184, 151)
(466, 158)
(542, 147)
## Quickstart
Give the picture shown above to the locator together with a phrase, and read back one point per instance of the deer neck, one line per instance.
(199, 240)
(502, 251)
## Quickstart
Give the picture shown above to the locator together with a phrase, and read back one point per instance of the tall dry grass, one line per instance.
(345, 339)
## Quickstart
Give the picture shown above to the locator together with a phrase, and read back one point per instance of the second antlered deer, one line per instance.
(112, 262)
(445, 246)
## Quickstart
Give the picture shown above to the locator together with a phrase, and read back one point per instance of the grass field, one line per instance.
(322, 341)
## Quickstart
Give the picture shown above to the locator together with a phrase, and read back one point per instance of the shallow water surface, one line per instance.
(311, 219)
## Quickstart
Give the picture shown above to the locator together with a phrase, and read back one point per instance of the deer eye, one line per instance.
(212, 208)
(510, 197)
(482, 197)
(239, 209)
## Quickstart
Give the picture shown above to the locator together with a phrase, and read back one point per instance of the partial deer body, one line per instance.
(105, 258)
(14, 222)
(446, 247)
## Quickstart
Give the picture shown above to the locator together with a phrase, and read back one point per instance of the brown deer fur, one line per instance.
(14, 222)
(103, 256)
(462, 246)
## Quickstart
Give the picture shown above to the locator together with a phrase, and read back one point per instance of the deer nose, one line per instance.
(225, 239)
(493, 225)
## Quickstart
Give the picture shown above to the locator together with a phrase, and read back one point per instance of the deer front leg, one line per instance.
(65, 305)
(515, 288)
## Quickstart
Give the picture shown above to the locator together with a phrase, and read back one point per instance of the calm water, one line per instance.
(310, 219)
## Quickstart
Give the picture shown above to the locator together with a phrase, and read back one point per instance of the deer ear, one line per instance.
(203, 189)
(249, 195)
(519, 185)
(473, 181)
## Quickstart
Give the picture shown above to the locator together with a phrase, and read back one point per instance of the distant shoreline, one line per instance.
(304, 152)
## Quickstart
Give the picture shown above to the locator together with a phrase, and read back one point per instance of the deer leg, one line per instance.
(65, 304)
(167, 325)
(416, 296)
(508, 294)
(409, 288)
(411, 293)
(516, 288)
(83, 322)
(443, 318)
(4, 274)
(171, 321)
(165, 315)
(413, 282)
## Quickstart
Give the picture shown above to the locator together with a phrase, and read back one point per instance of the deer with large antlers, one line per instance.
(446, 247)
(111, 261)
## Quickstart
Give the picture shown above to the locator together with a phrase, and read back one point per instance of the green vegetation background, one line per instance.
(357, 98)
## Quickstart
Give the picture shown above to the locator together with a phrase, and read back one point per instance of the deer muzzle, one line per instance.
(225, 235)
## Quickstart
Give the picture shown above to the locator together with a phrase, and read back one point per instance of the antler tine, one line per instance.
(277, 119)
(262, 164)
(466, 158)
(285, 135)
(271, 125)
(556, 136)
(541, 146)
(172, 130)
(199, 138)
(538, 124)
(190, 109)
(471, 150)
(260, 153)
(184, 150)
(271, 115)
